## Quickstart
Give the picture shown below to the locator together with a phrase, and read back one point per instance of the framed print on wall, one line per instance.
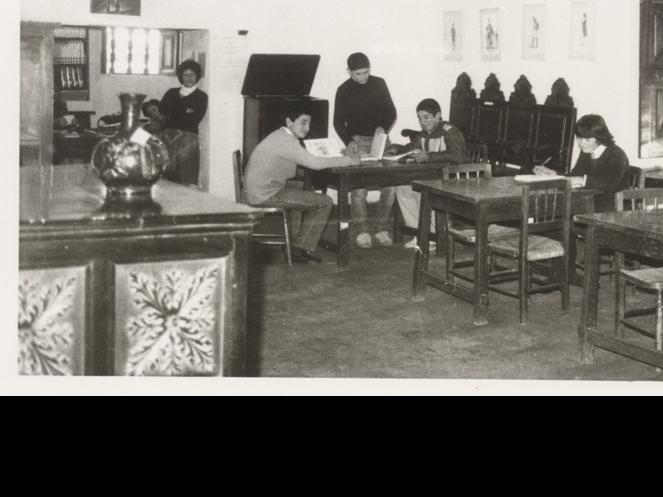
(534, 32)
(453, 36)
(583, 30)
(119, 7)
(491, 35)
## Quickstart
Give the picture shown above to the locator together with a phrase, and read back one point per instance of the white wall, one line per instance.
(609, 85)
(403, 39)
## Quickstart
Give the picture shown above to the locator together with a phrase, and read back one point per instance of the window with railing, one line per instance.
(140, 51)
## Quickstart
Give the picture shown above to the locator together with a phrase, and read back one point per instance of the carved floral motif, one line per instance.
(172, 334)
(46, 333)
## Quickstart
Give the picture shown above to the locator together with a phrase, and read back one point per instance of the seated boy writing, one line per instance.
(274, 162)
(438, 142)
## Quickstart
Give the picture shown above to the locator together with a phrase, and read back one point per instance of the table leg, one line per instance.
(422, 257)
(481, 271)
(344, 223)
(590, 299)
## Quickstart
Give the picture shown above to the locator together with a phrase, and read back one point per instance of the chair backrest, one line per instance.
(636, 178)
(478, 153)
(639, 200)
(547, 207)
(465, 172)
(239, 172)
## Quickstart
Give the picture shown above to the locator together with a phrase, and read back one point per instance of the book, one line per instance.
(378, 148)
(325, 147)
(396, 158)
(576, 182)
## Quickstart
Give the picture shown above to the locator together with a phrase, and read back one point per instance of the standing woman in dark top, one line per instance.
(183, 109)
(601, 161)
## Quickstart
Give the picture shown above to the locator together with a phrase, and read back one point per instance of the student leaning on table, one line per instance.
(363, 108)
(275, 161)
(601, 161)
(438, 142)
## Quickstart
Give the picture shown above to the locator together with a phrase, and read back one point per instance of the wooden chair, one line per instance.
(478, 153)
(636, 178)
(645, 201)
(464, 236)
(268, 238)
(546, 210)
(636, 181)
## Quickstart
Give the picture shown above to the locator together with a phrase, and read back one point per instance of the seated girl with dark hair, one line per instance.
(601, 161)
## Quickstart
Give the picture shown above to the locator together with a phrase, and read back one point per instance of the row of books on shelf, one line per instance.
(70, 33)
(70, 62)
(71, 77)
(70, 50)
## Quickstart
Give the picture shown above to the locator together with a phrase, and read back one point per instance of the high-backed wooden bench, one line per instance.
(517, 132)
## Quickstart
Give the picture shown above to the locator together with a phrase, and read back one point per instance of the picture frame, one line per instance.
(534, 32)
(116, 7)
(491, 35)
(453, 36)
(583, 30)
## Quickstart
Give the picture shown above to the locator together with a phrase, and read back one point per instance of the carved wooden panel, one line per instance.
(170, 318)
(51, 322)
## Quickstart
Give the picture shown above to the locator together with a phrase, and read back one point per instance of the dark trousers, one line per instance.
(315, 209)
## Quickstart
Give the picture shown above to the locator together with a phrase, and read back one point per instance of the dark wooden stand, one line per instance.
(155, 289)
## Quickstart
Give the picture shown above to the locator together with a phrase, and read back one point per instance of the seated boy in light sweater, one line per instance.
(274, 162)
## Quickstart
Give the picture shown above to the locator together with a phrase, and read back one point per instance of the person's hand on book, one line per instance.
(421, 157)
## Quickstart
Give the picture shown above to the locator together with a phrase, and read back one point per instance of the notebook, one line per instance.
(396, 158)
(576, 182)
(378, 148)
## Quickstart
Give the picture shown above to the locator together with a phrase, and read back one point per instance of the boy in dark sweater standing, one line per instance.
(363, 108)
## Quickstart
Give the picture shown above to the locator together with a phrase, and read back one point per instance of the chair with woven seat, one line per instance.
(650, 279)
(546, 210)
(279, 240)
(477, 153)
(635, 179)
(462, 235)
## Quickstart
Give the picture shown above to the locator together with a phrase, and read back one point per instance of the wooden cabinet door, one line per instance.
(651, 79)
(36, 139)
(170, 318)
(52, 322)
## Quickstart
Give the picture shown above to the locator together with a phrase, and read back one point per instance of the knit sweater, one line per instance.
(606, 174)
(275, 161)
(361, 109)
(445, 143)
(184, 113)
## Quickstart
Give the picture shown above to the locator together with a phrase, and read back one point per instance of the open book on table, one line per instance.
(399, 157)
(325, 147)
(378, 148)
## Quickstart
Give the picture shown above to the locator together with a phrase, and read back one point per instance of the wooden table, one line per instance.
(370, 176)
(75, 149)
(157, 289)
(483, 202)
(633, 233)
